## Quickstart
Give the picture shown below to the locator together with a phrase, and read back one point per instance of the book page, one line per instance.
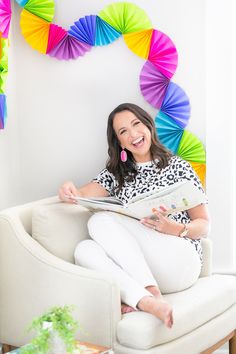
(181, 197)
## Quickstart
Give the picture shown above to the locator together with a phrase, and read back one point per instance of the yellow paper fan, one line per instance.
(35, 30)
(139, 42)
(200, 169)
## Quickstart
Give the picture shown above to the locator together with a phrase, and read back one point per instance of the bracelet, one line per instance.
(184, 232)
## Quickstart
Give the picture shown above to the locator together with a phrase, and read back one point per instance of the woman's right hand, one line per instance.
(67, 190)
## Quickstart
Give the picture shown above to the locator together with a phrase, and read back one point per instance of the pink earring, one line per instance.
(123, 155)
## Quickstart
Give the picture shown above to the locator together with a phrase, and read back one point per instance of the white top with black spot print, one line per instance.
(152, 178)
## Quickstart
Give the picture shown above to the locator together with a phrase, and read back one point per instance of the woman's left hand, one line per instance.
(162, 223)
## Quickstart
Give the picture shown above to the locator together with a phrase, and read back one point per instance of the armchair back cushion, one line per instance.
(59, 227)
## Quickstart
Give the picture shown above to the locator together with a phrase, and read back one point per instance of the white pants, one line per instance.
(137, 256)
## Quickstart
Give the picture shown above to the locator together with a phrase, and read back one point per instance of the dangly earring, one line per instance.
(123, 155)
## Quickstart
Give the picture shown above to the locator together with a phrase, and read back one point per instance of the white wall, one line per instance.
(220, 131)
(62, 107)
(9, 144)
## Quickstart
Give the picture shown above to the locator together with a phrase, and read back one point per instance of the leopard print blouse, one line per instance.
(151, 178)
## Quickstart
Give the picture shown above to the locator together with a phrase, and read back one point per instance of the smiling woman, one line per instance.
(152, 255)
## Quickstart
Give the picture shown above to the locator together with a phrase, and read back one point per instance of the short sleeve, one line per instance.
(184, 171)
(106, 180)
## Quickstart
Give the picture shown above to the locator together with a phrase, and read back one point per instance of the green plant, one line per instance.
(61, 322)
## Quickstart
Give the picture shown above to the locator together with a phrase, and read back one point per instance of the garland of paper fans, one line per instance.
(116, 19)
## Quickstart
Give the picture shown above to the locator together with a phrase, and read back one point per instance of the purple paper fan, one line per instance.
(84, 29)
(153, 84)
(69, 48)
(176, 105)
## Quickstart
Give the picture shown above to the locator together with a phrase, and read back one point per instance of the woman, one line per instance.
(155, 255)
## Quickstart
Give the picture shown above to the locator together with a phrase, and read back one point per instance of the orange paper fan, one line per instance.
(200, 169)
(35, 30)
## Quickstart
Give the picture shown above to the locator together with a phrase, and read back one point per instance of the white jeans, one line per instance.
(137, 256)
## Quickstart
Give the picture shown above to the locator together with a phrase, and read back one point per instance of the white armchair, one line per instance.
(37, 241)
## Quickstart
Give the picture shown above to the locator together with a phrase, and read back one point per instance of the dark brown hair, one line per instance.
(128, 170)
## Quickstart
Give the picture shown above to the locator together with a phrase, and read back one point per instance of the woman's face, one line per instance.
(133, 135)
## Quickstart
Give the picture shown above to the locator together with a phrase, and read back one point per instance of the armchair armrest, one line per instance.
(207, 257)
(33, 280)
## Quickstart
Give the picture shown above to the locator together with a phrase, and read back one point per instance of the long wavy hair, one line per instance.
(126, 171)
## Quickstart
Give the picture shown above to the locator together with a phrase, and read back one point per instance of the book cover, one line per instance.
(177, 197)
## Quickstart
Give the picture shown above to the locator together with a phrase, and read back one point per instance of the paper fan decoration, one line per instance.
(35, 30)
(84, 29)
(105, 33)
(125, 17)
(3, 111)
(139, 42)
(22, 3)
(176, 104)
(153, 85)
(163, 53)
(5, 17)
(69, 48)
(191, 148)
(41, 8)
(169, 133)
(200, 169)
(3, 63)
(56, 34)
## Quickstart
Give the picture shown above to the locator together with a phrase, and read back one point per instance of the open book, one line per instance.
(177, 197)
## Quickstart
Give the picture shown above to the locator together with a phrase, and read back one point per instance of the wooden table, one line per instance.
(88, 349)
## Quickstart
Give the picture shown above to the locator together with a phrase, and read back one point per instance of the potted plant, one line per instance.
(55, 333)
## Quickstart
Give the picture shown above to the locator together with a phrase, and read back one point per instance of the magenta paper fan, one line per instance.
(5, 17)
(153, 84)
(163, 53)
(176, 105)
(69, 48)
(56, 34)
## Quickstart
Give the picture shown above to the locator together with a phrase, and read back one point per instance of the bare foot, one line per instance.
(157, 307)
(126, 309)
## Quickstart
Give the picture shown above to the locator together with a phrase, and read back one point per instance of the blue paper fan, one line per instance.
(22, 3)
(105, 33)
(3, 111)
(84, 29)
(168, 131)
(176, 104)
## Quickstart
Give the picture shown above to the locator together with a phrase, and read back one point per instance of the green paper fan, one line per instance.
(3, 63)
(125, 17)
(191, 148)
(41, 8)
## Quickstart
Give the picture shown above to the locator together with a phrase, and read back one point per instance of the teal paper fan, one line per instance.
(105, 33)
(168, 131)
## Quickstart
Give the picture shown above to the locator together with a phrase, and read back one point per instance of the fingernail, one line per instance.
(162, 208)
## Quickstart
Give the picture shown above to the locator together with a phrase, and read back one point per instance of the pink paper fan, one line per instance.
(56, 34)
(163, 53)
(153, 84)
(69, 48)
(5, 17)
